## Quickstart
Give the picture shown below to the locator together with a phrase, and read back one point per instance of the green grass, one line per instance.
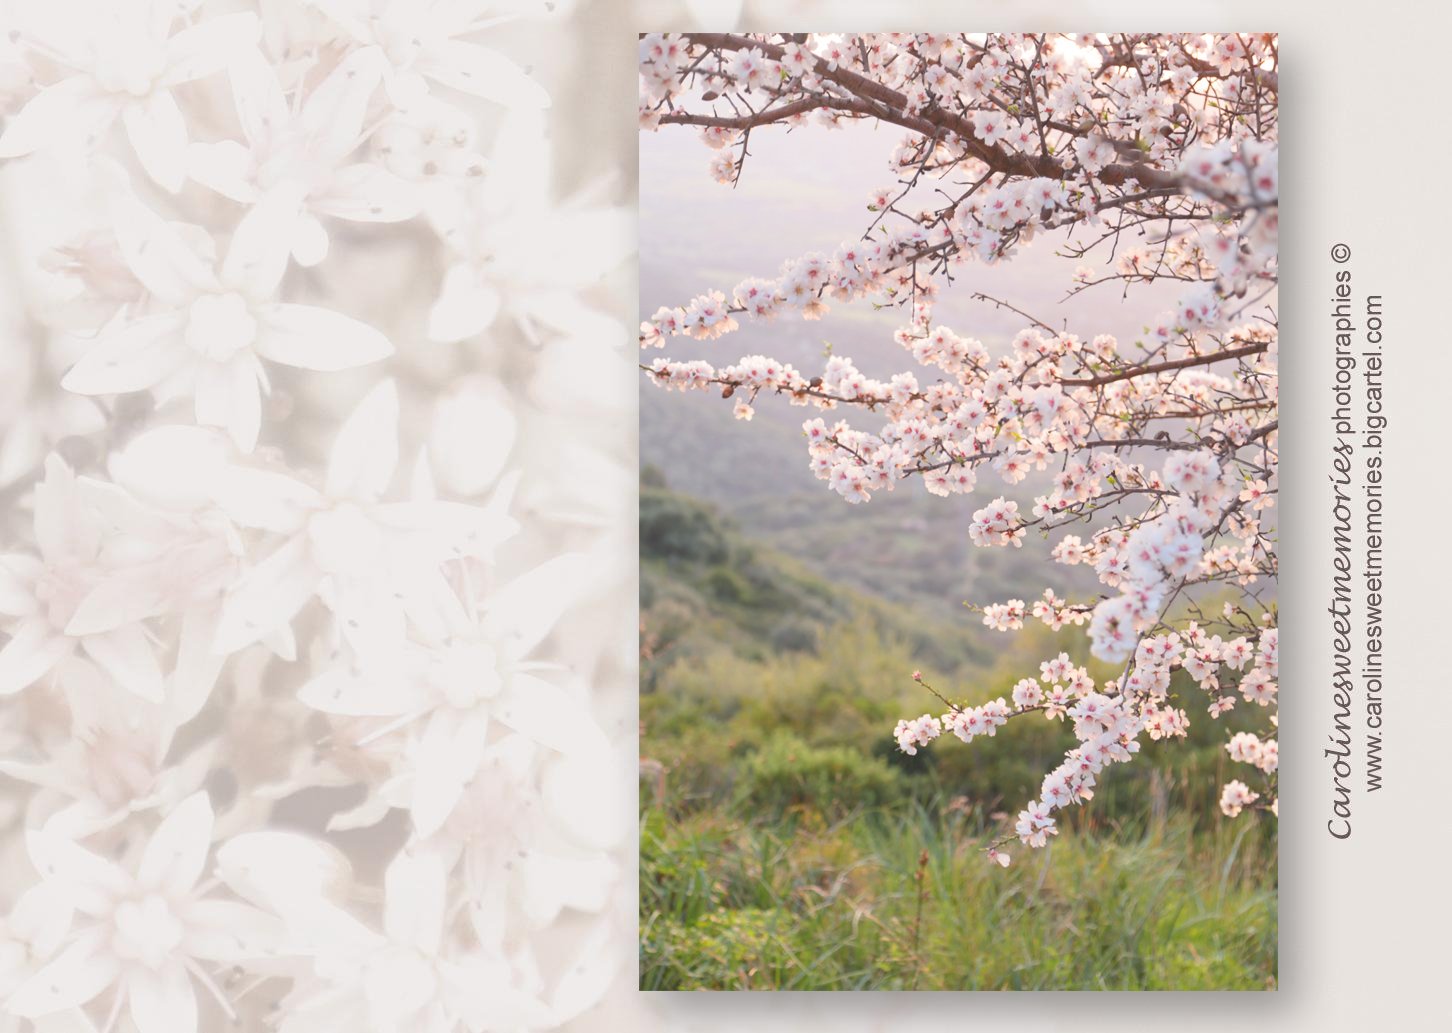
(783, 831)
(798, 903)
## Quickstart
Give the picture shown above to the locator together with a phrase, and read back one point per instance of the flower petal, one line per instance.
(93, 882)
(482, 72)
(208, 46)
(272, 868)
(414, 901)
(466, 306)
(159, 135)
(367, 193)
(268, 595)
(119, 599)
(230, 397)
(258, 255)
(18, 574)
(224, 930)
(317, 338)
(547, 714)
(76, 975)
(224, 166)
(447, 757)
(32, 651)
(365, 451)
(265, 499)
(309, 241)
(176, 854)
(71, 109)
(162, 1001)
(125, 654)
(340, 691)
(132, 357)
(197, 667)
(332, 116)
(525, 610)
(174, 466)
(156, 253)
(261, 105)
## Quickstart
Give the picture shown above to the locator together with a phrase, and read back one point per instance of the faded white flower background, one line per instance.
(316, 549)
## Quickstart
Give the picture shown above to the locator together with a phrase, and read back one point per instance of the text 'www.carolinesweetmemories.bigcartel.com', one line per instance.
(1354, 748)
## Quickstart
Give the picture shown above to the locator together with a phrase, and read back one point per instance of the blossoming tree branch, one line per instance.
(1149, 160)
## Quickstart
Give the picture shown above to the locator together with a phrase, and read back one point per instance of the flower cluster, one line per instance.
(1154, 155)
(297, 731)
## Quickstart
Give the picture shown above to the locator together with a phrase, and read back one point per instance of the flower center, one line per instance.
(147, 931)
(130, 69)
(220, 325)
(466, 674)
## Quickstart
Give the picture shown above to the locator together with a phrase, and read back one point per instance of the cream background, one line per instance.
(1363, 922)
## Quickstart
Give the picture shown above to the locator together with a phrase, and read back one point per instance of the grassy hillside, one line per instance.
(782, 831)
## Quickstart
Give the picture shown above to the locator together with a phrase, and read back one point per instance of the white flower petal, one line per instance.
(554, 882)
(261, 105)
(428, 600)
(547, 714)
(125, 654)
(524, 611)
(332, 116)
(173, 466)
(365, 451)
(370, 812)
(367, 193)
(265, 499)
(131, 357)
(93, 882)
(72, 109)
(176, 854)
(42, 915)
(229, 396)
(340, 691)
(156, 253)
(466, 306)
(18, 574)
(33, 650)
(472, 432)
(258, 255)
(309, 241)
(482, 72)
(208, 46)
(226, 167)
(162, 1001)
(368, 614)
(159, 136)
(224, 930)
(64, 527)
(120, 599)
(272, 868)
(76, 975)
(267, 596)
(415, 899)
(588, 977)
(317, 338)
(447, 757)
(197, 667)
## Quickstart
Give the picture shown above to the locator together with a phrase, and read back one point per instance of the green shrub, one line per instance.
(787, 774)
(724, 950)
(676, 527)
